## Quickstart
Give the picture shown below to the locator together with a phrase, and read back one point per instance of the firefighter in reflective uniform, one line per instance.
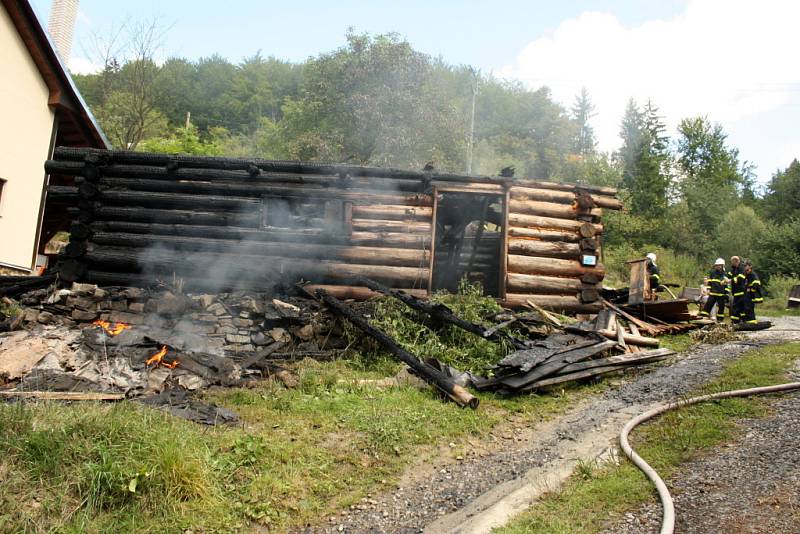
(736, 276)
(717, 290)
(752, 293)
(653, 272)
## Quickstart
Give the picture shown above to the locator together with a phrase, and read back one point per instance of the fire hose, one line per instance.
(668, 517)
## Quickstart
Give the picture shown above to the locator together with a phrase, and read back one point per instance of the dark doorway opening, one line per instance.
(469, 240)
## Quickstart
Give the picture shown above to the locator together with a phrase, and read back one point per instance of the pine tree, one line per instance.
(645, 159)
(585, 143)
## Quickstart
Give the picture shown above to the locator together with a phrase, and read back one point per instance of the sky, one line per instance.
(734, 61)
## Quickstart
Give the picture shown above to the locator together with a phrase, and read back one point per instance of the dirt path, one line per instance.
(487, 489)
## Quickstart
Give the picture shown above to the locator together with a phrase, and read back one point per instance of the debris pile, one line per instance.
(160, 345)
(225, 324)
(156, 346)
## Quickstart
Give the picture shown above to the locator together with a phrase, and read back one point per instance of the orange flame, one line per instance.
(112, 329)
(158, 359)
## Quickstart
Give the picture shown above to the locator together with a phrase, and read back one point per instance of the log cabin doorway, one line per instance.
(469, 240)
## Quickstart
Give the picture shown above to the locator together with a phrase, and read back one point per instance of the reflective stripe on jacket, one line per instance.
(753, 287)
(737, 277)
(716, 283)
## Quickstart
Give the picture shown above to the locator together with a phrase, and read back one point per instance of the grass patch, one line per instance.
(597, 495)
(299, 456)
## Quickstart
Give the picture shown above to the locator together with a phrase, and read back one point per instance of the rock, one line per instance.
(99, 293)
(120, 305)
(136, 307)
(133, 293)
(252, 305)
(170, 304)
(237, 338)
(46, 317)
(217, 309)
(83, 315)
(206, 318)
(290, 311)
(81, 302)
(58, 296)
(259, 339)
(227, 330)
(205, 300)
(30, 315)
(306, 333)
(242, 323)
(83, 289)
(125, 317)
(280, 334)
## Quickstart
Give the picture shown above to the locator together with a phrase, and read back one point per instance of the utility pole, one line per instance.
(472, 120)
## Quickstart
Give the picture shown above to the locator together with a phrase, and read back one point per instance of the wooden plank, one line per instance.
(650, 329)
(62, 395)
(639, 283)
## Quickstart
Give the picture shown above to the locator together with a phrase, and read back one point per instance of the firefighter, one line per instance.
(653, 272)
(752, 293)
(737, 276)
(717, 290)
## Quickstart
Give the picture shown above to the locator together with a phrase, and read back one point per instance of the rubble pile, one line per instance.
(158, 345)
(226, 324)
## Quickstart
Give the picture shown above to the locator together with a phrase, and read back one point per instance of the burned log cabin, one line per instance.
(220, 223)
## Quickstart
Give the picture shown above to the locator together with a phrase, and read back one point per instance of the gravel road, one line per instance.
(446, 495)
(749, 486)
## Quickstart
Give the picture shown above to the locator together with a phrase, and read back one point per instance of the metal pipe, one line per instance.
(668, 517)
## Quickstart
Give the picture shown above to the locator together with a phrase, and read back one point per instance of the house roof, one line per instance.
(77, 125)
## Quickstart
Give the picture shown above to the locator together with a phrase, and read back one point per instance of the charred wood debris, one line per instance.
(160, 346)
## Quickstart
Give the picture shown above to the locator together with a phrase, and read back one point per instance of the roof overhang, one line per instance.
(75, 119)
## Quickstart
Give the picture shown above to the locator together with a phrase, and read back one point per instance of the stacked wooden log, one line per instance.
(220, 224)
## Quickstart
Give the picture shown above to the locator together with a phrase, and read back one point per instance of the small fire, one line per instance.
(158, 359)
(112, 329)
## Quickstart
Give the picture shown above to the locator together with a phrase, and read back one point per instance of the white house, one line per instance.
(40, 108)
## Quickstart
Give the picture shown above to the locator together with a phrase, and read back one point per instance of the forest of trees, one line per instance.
(377, 101)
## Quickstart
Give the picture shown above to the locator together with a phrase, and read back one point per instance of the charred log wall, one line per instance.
(219, 223)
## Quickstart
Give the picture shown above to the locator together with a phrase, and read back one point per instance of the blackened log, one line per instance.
(443, 314)
(428, 373)
(62, 195)
(27, 285)
(258, 269)
(119, 220)
(364, 255)
(257, 166)
(273, 180)
(294, 167)
(190, 217)
(71, 270)
(167, 200)
(356, 292)
(364, 196)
